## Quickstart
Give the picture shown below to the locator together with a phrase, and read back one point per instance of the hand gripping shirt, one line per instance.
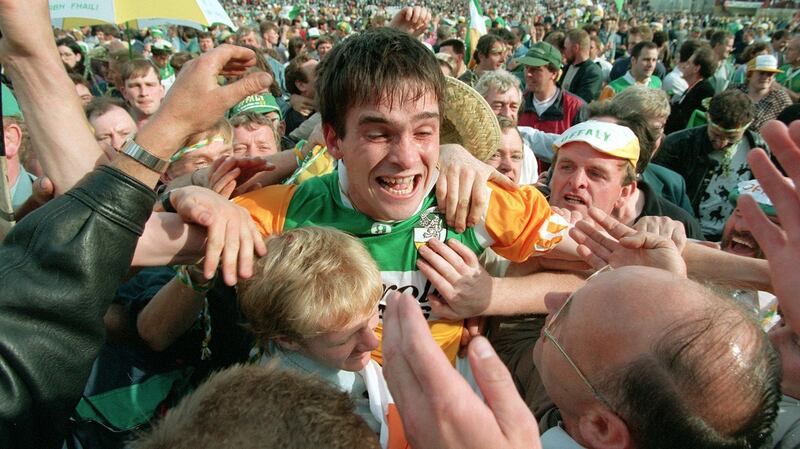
(516, 224)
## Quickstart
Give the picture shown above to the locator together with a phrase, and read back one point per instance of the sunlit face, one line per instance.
(323, 49)
(505, 104)
(450, 51)
(724, 49)
(144, 93)
(250, 39)
(583, 178)
(199, 158)
(539, 79)
(206, 44)
(68, 57)
(644, 66)
(83, 93)
(390, 154)
(112, 129)
(254, 140)
(348, 349)
(272, 36)
(737, 239)
(760, 81)
(508, 158)
(309, 69)
(721, 140)
(495, 59)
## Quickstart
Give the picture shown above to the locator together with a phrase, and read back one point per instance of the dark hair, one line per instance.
(204, 35)
(350, 74)
(668, 387)
(719, 37)
(752, 49)
(324, 39)
(780, 34)
(506, 35)
(637, 49)
(731, 109)
(688, 48)
(707, 61)
(485, 44)
(790, 114)
(294, 73)
(556, 39)
(296, 47)
(457, 44)
(660, 37)
(110, 30)
(79, 68)
(101, 105)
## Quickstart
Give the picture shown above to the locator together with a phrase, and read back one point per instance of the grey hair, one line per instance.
(500, 80)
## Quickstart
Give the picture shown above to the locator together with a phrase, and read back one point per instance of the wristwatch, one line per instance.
(144, 157)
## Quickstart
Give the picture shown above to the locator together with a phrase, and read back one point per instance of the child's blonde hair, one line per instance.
(313, 280)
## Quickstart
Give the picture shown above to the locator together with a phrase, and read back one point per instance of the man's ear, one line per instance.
(331, 140)
(286, 343)
(625, 194)
(601, 428)
(13, 139)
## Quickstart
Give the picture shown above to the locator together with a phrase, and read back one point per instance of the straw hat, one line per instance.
(469, 121)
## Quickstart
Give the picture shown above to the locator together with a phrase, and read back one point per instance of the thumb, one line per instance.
(233, 93)
(503, 180)
(498, 388)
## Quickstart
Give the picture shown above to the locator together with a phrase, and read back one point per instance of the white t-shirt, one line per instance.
(541, 106)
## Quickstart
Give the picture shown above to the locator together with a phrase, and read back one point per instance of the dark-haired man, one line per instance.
(713, 158)
(490, 55)
(697, 72)
(644, 57)
(143, 89)
(456, 49)
(300, 78)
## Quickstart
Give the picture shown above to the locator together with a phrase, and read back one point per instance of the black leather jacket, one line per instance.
(59, 269)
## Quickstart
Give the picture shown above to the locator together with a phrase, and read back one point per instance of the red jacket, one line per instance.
(564, 112)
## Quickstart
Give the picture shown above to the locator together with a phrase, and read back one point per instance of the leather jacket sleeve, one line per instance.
(59, 269)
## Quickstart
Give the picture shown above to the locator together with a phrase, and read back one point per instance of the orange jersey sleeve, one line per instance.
(268, 207)
(520, 223)
(607, 93)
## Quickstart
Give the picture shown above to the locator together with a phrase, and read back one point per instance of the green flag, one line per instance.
(619, 5)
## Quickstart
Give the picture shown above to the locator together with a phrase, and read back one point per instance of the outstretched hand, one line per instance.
(624, 246)
(233, 238)
(780, 243)
(437, 406)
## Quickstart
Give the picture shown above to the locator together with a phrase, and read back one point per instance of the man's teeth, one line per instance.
(398, 186)
(743, 242)
(573, 199)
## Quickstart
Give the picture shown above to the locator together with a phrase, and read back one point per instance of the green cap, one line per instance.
(259, 104)
(753, 188)
(541, 53)
(10, 105)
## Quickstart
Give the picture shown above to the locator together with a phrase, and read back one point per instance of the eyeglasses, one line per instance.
(548, 333)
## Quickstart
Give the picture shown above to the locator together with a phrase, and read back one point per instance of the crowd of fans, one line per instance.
(350, 226)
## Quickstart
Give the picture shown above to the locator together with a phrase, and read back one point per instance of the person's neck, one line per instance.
(545, 94)
(757, 95)
(641, 79)
(580, 58)
(13, 171)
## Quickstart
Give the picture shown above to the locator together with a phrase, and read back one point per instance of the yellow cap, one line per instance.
(605, 137)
